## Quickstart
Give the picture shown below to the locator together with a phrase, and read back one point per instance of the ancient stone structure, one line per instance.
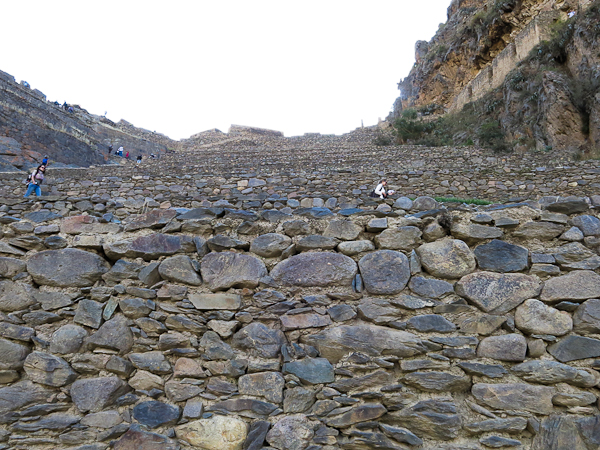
(339, 171)
(137, 315)
(493, 75)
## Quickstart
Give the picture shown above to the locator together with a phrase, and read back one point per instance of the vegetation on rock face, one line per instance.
(475, 124)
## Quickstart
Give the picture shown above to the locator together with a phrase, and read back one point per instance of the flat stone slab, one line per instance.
(311, 370)
(577, 285)
(301, 321)
(149, 247)
(228, 269)
(315, 269)
(67, 267)
(208, 302)
(515, 396)
(500, 256)
(572, 348)
(372, 340)
(497, 293)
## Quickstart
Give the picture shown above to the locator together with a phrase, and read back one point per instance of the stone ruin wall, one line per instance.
(426, 328)
(447, 172)
(493, 75)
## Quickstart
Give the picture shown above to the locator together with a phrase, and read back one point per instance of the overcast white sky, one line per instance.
(180, 67)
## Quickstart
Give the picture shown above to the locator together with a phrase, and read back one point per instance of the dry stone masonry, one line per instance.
(133, 317)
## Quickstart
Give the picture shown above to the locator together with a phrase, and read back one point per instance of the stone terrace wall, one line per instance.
(331, 169)
(431, 329)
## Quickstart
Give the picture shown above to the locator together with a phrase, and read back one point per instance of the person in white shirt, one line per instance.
(381, 191)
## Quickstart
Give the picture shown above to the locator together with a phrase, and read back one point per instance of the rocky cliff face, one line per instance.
(32, 127)
(532, 66)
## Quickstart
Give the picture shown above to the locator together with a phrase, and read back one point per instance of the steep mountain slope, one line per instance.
(31, 127)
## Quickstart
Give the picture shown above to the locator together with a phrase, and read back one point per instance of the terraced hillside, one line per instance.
(245, 292)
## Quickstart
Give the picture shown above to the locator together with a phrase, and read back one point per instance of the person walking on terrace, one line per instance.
(35, 180)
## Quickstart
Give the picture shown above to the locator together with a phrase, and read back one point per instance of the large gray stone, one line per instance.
(311, 370)
(298, 400)
(9, 267)
(149, 247)
(122, 270)
(378, 310)
(315, 269)
(362, 413)
(371, 381)
(497, 293)
(372, 340)
(500, 256)
(472, 233)
(436, 419)
(431, 323)
(384, 272)
(506, 347)
(55, 421)
(89, 313)
(562, 432)
(179, 269)
(270, 245)
(16, 296)
(316, 242)
(48, 369)
(21, 394)
(552, 372)
(68, 267)
(511, 425)
(136, 439)
(572, 253)
(430, 287)
(589, 225)
(586, 318)
(154, 362)
(544, 231)
(227, 269)
(572, 348)
(221, 243)
(155, 414)
(438, 381)
(515, 396)
(263, 384)
(535, 317)
(578, 285)
(346, 230)
(351, 248)
(448, 258)
(12, 354)
(114, 334)
(156, 218)
(401, 238)
(291, 433)
(260, 340)
(209, 302)
(95, 394)
(568, 205)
